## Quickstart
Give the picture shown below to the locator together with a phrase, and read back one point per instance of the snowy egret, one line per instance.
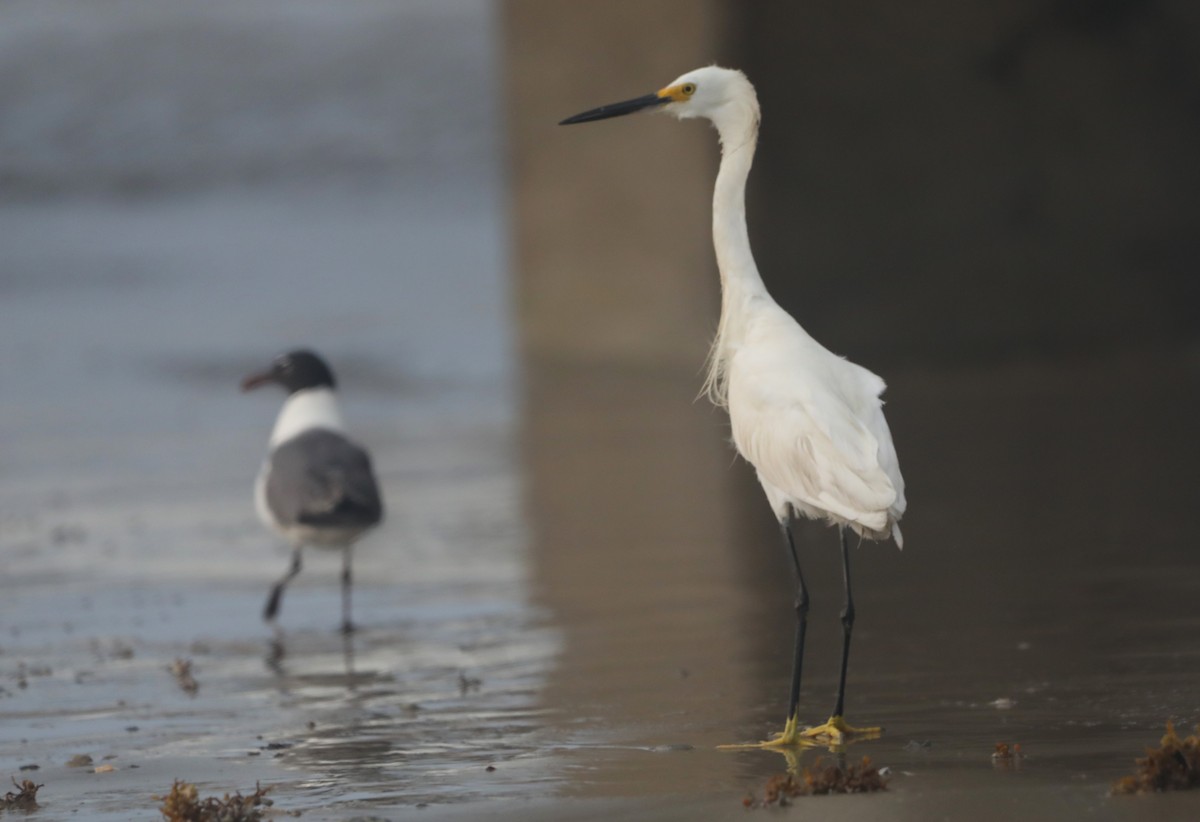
(316, 487)
(810, 422)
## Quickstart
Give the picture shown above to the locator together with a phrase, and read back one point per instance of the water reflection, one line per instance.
(443, 678)
(1018, 613)
(277, 652)
(637, 553)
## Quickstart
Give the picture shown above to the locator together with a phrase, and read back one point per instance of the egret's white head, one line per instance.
(721, 95)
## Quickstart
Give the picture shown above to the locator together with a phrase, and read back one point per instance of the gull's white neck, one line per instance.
(741, 283)
(310, 408)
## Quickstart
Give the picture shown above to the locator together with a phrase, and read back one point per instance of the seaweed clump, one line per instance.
(183, 804)
(1173, 766)
(819, 780)
(1007, 755)
(181, 669)
(25, 799)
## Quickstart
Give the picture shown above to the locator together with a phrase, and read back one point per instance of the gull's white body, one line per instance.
(302, 412)
(310, 408)
(810, 422)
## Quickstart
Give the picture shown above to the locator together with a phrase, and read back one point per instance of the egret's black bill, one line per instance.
(617, 109)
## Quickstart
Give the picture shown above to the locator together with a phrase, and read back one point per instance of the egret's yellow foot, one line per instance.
(792, 737)
(835, 731)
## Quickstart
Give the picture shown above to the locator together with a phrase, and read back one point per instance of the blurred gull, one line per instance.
(316, 487)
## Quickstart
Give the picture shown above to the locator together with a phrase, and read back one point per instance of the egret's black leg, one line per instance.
(847, 625)
(835, 730)
(801, 606)
(272, 607)
(347, 625)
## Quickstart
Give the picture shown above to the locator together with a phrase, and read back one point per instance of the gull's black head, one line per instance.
(295, 371)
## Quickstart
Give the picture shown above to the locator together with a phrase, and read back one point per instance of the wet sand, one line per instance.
(590, 602)
(1043, 598)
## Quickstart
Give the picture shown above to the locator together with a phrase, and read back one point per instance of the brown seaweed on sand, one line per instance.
(1173, 766)
(183, 804)
(1007, 755)
(25, 799)
(181, 669)
(820, 779)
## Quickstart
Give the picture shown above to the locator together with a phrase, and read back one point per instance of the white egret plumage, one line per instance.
(810, 422)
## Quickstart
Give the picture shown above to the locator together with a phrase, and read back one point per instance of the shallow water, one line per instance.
(1041, 600)
(589, 604)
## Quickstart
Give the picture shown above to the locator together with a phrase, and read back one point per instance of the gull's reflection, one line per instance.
(277, 653)
(348, 659)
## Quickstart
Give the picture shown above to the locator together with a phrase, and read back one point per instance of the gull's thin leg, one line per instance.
(836, 728)
(347, 625)
(272, 607)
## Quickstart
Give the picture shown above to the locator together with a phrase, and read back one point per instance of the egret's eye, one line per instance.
(689, 89)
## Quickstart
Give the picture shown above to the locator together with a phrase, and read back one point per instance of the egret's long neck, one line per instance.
(310, 408)
(741, 283)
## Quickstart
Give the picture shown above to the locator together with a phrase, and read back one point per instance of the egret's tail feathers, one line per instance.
(897, 536)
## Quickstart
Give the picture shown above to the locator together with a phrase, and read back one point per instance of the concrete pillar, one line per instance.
(634, 498)
(612, 252)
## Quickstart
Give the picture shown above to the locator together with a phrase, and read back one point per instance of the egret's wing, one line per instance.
(820, 465)
(874, 421)
(322, 479)
(811, 424)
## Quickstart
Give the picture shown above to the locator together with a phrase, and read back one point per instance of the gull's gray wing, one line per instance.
(323, 480)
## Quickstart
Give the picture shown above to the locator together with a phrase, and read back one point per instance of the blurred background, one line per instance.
(992, 205)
